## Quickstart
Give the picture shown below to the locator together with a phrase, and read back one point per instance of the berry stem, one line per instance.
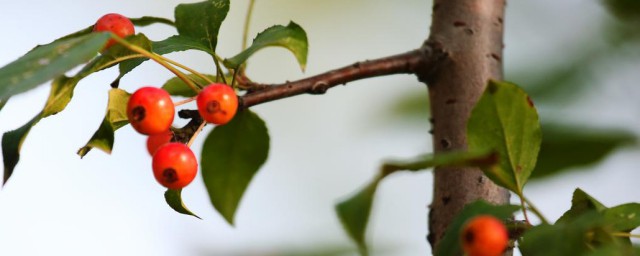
(195, 134)
(533, 209)
(177, 64)
(120, 59)
(219, 73)
(158, 60)
(623, 234)
(185, 101)
(524, 210)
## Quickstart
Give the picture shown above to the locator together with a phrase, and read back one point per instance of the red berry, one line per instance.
(150, 110)
(115, 23)
(174, 165)
(484, 235)
(155, 141)
(217, 103)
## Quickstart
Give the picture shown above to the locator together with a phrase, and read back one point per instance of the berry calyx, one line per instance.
(484, 235)
(155, 141)
(115, 23)
(217, 103)
(150, 110)
(174, 165)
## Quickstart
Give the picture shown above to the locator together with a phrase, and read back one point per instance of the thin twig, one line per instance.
(406, 63)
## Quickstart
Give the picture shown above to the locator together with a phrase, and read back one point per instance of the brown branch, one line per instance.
(406, 63)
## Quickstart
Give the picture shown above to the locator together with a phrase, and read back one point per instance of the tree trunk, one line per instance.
(470, 33)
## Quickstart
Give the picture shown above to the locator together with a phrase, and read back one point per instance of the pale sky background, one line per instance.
(322, 147)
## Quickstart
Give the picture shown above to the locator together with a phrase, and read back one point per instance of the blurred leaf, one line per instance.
(176, 87)
(354, 211)
(60, 95)
(3, 102)
(291, 37)
(49, 61)
(201, 21)
(115, 118)
(451, 244)
(564, 238)
(565, 147)
(148, 20)
(231, 155)
(174, 200)
(505, 120)
(628, 10)
(11, 144)
(624, 217)
(414, 106)
(580, 204)
(354, 214)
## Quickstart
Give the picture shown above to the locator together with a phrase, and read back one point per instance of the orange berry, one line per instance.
(115, 23)
(217, 103)
(150, 110)
(484, 235)
(155, 141)
(174, 165)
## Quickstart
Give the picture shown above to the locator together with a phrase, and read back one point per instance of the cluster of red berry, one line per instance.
(151, 111)
(484, 235)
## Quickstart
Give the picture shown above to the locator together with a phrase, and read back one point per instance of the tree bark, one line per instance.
(470, 33)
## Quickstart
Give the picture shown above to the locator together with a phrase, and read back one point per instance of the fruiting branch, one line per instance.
(423, 58)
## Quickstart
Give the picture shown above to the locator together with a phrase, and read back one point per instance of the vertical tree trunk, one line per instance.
(470, 33)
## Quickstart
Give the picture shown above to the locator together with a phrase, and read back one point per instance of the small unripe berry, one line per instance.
(217, 103)
(150, 110)
(174, 165)
(155, 141)
(484, 235)
(115, 23)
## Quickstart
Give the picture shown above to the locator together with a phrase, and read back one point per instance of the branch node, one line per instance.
(319, 87)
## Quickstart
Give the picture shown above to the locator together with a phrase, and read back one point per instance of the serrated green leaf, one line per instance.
(231, 155)
(49, 61)
(505, 120)
(201, 21)
(148, 20)
(624, 217)
(581, 203)
(174, 200)
(291, 37)
(354, 211)
(115, 118)
(354, 214)
(176, 87)
(567, 147)
(451, 244)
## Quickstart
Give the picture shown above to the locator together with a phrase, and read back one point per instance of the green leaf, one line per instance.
(562, 239)
(354, 211)
(174, 200)
(115, 118)
(292, 37)
(628, 10)
(11, 144)
(3, 102)
(505, 120)
(580, 204)
(201, 21)
(148, 20)
(624, 217)
(176, 87)
(451, 244)
(354, 214)
(231, 155)
(568, 147)
(49, 61)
